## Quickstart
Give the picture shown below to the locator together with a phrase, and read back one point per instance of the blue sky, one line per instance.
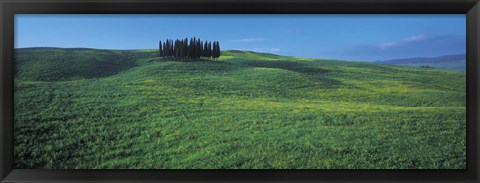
(342, 37)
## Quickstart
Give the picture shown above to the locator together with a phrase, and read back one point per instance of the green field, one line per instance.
(102, 109)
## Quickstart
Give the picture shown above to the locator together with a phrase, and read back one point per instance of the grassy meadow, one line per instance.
(114, 109)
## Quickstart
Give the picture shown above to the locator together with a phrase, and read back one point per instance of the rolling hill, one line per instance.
(100, 109)
(448, 62)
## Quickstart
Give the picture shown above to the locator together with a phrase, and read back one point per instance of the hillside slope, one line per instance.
(55, 64)
(246, 110)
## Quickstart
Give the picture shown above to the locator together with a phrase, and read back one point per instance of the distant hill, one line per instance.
(447, 62)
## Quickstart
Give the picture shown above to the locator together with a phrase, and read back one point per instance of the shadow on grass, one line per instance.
(314, 73)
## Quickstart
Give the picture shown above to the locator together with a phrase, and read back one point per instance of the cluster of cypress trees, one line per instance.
(188, 50)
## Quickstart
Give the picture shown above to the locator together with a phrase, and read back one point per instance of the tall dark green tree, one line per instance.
(205, 50)
(209, 49)
(160, 49)
(185, 48)
(200, 47)
(199, 51)
(171, 49)
(216, 49)
(167, 48)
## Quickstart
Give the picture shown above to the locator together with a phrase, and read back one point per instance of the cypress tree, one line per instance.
(185, 47)
(209, 49)
(190, 46)
(201, 49)
(167, 48)
(217, 49)
(160, 50)
(205, 50)
(197, 45)
(180, 49)
(195, 49)
(177, 49)
(189, 49)
(172, 52)
(164, 48)
(214, 51)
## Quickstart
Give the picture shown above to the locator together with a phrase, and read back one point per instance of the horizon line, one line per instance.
(136, 49)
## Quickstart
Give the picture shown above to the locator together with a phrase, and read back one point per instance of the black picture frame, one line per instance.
(8, 8)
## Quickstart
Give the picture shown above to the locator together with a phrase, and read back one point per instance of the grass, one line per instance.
(245, 111)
